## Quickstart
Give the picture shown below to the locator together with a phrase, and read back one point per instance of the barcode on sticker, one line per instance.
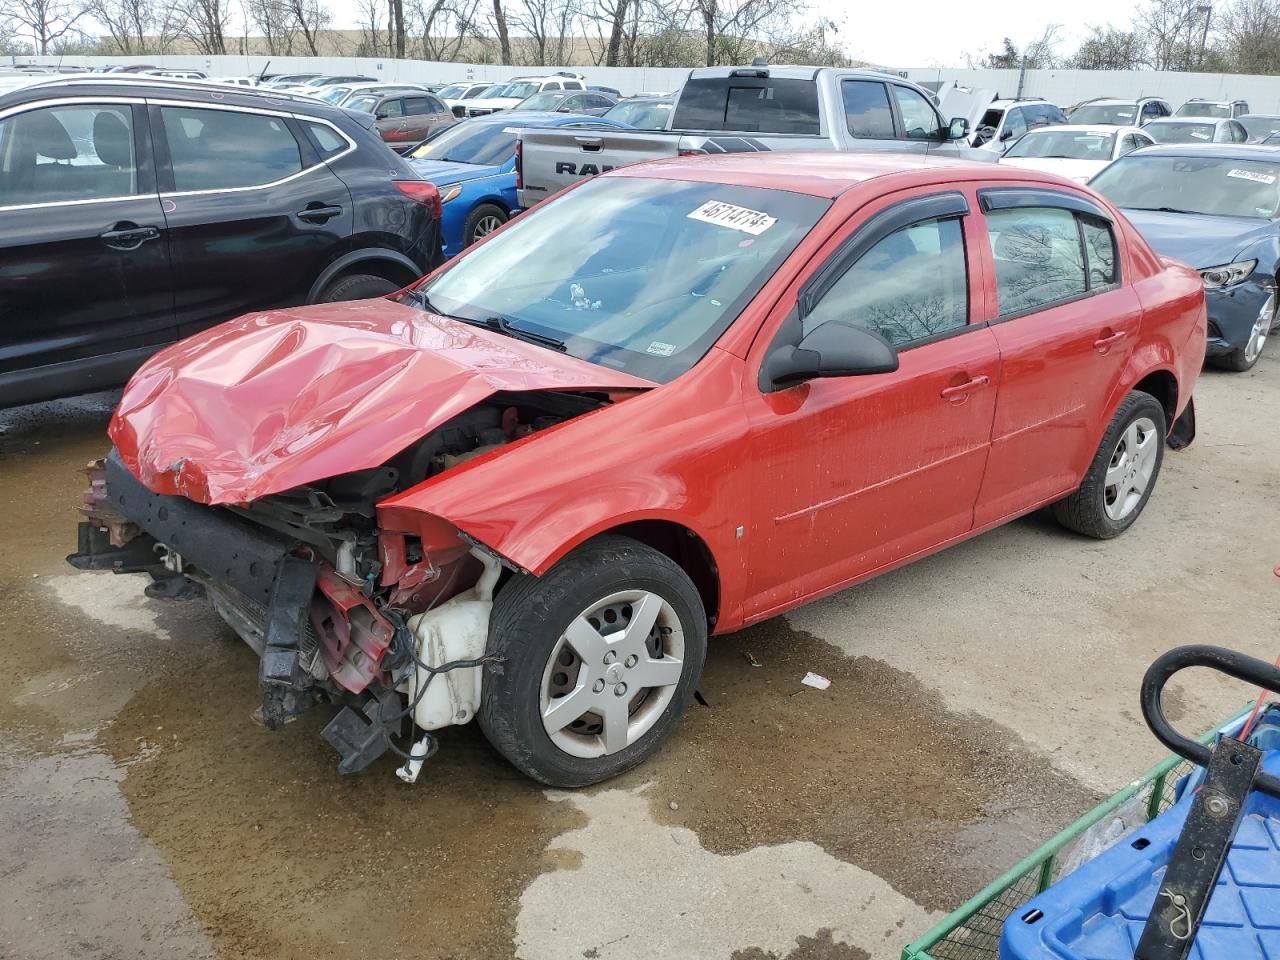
(734, 217)
(1266, 178)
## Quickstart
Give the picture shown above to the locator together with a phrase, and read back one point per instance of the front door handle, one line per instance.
(1105, 343)
(962, 390)
(127, 235)
(318, 214)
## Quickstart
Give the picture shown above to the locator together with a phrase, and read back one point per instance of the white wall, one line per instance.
(1067, 87)
(1064, 87)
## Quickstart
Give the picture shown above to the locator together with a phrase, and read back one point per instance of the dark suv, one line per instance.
(134, 212)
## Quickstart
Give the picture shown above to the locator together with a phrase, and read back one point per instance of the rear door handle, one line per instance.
(962, 390)
(1103, 344)
(127, 235)
(319, 214)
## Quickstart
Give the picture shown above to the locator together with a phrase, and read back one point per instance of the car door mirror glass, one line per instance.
(831, 350)
(959, 128)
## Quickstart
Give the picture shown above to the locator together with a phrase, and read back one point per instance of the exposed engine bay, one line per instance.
(339, 608)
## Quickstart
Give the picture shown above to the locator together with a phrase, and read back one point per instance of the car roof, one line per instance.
(134, 84)
(1098, 128)
(1216, 151)
(1170, 121)
(1259, 116)
(821, 173)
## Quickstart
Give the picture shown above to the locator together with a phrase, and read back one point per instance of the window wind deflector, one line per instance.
(1008, 198)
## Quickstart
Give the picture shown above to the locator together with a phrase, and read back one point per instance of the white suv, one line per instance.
(1004, 121)
(506, 96)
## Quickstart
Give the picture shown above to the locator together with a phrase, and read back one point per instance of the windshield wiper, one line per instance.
(1169, 210)
(503, 326)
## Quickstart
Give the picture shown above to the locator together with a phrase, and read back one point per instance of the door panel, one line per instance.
(1060, 364)
(84, 268)
(247, 230)
(868, 470)
(865, 471)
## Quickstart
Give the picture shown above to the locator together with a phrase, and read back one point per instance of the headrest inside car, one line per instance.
(42, 132)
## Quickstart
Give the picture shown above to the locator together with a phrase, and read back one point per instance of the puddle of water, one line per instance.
(875, 769)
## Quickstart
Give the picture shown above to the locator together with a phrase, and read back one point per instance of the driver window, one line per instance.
(910, 286)
(1014, 125)
(919, 120)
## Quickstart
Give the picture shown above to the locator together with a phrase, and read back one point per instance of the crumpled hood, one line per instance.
(444, 172)
(277, 399)
(1198, 240)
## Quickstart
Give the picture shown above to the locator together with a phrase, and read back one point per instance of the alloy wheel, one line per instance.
(1261, 329)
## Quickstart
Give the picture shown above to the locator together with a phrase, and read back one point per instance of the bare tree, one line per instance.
(395, 25)
(45, 21)
(1249, 32)
(1176, 30)
(1041, 53)
(134, 26)
(500, 25)
(309, 18)
(444, 26)
(272, 20)
(374, 42)
(1107, 48)
(549, 25)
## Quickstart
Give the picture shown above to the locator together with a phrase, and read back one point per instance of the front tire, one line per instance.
(482, 221)
(602, 655)
(1123, 473)
(1238, 361)
(360, 286)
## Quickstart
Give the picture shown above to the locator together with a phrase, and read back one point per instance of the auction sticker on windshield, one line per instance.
(734, 217)
(1266, 178)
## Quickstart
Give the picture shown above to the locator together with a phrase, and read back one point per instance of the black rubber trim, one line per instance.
(1009, 198)
(904, 214)
(213, 540)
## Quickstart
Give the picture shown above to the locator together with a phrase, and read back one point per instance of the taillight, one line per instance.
(419, 191)
(690, 152)
(519, 164)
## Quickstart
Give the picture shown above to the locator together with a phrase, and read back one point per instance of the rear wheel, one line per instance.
(1123, 472)
(358, 286)
(1244, 358)
(482, 221)
(602, 655)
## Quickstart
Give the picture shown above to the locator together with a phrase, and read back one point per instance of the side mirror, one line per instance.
(832, 350)
(959, 128)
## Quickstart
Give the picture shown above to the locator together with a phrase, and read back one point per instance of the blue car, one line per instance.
(1216, 207)
(473, 163)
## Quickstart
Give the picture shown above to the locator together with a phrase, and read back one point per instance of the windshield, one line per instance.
(1113, 114)
(541, 101)
(1065, 145)
(641, 275)
(1202, 109)
(1183, 131)
(1259, 128)
(451, 91)
(1214, 186)
(319, 82)
(364, 104)
(334, 94)
(644, 115)
(487, 144)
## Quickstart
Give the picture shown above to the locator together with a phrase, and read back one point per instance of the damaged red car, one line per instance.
(680, 398)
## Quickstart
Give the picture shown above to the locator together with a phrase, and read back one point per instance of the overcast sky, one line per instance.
(926, 33)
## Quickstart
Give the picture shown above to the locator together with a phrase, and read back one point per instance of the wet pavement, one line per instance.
(980, 700)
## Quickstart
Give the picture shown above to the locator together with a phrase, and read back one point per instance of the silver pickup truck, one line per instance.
(739, 109)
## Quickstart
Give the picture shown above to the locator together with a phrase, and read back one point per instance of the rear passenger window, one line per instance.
(1039, 257)
(416, 106)
(327, 140)
(910, 286)
(207, 148)
(866, 110)
(82, 152)
(1099, 253)
(748, 104)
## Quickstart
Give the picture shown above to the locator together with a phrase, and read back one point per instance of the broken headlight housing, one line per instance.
(1227, 274)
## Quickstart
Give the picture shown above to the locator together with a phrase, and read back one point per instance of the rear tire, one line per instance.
(358, 286)
(482, 221)
(1123, 473)
(582, 696)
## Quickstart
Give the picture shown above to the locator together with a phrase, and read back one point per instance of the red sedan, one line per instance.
(680, 398)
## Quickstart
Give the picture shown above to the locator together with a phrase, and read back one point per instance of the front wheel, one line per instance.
(602, 655)
(1244, 359)
(1123, 472)
(482, 221)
